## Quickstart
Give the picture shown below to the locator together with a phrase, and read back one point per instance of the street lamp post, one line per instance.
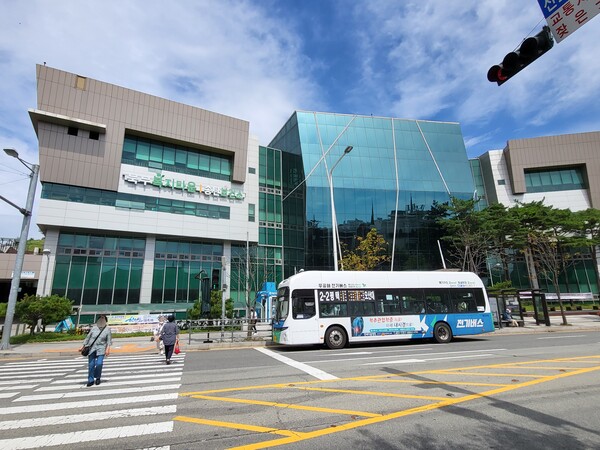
(46, 252)
(334, 231)
(16, 279)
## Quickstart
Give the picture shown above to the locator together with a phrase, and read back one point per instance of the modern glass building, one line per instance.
(395, 172)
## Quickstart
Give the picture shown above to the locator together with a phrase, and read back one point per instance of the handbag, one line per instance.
(85, 350)
(177, 349)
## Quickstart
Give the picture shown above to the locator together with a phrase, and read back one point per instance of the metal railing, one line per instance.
(228, 330)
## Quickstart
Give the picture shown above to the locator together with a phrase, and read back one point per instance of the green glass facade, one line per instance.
(559, 179)
(175, 158)
(177, 266)
(397, 170)
(98, 269)
(63, 192)
(251, 264)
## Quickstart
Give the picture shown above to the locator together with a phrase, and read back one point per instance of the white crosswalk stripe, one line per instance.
(39, 394)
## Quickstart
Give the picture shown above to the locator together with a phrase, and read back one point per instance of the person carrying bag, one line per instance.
(96, 346)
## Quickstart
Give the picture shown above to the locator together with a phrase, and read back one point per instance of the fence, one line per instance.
(228, 330)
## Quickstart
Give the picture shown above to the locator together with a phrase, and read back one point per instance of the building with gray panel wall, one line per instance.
(562, 172)
(139, 194)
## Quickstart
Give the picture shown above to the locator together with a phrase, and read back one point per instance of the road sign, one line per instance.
(564, 17)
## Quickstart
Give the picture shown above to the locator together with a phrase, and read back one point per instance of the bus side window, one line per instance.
(437, 301)
(303, 304)
(464, 300)
(388, 303)
(412, 301)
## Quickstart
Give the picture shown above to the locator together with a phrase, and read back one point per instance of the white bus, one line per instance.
(337, 308)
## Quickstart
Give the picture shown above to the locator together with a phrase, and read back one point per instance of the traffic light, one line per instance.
(530, 50)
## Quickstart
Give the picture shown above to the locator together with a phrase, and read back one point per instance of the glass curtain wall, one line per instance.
(396, 172)
(99, 269)
(177, 265)
(253, 265)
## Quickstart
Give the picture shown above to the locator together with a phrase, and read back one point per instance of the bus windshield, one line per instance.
(283, 304)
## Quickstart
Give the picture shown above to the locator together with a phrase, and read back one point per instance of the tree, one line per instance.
(250, 268)
(369, 254)
(195, 312)
(50, 309)
(551, 237)
(216, 307)
(468, 239)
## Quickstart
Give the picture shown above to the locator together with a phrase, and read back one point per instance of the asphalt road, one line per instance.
(521, 391)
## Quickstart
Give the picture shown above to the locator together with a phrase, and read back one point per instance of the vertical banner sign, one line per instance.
(564, 17)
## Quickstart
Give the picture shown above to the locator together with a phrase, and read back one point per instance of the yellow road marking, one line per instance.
(452, 383)
(287, 406)
(486, 374)
(395, 415)
(373, 393)
(237, 426)
(541, 367)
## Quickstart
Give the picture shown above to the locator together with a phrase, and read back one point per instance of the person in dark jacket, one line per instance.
(101, 338)
(169, 335)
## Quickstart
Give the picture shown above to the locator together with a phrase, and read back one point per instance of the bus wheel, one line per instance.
(442, 333)
(335, 338)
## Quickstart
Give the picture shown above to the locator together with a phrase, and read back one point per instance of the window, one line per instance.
(329, 309)
(72, 131)
(412, 301)
(251, 170)
(501, 182)
(251, 214)
(117, 199)
(80, 83)
(94, 135)
(303, 304)
(555, 179)
(463, 300)
(156, 154)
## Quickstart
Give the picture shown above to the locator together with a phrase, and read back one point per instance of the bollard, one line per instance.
(208, 341)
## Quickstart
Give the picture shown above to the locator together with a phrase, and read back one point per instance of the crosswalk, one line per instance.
(46, 403)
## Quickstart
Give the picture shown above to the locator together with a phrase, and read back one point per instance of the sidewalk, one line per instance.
(579, 323)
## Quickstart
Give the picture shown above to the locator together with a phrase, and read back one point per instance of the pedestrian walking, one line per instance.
(99, 340)
(169, 335)
(160, 346)
(253, 319)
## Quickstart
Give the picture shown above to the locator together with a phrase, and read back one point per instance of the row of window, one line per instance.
(76, 194)
(175, 158)
(386, 302)
(554, 180)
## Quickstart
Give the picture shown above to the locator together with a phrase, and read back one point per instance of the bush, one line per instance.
(552, 308)
(579, 308)
(568, 308)
(595, 307)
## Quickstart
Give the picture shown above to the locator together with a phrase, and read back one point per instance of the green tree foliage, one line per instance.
(3, 307)
(369, 254)
(51, 309)
(195, 312)
(33, 243)
(467, 239)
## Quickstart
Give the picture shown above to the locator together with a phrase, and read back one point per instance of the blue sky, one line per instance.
(261, 60)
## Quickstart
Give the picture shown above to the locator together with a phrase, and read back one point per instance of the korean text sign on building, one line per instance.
(564, 17)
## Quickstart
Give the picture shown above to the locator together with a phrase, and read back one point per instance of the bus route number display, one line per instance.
(331, 295)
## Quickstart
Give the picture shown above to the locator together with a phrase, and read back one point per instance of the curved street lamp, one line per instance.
(16, 279)
(334, 230)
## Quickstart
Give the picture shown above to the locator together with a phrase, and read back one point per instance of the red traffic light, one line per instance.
(530, 50)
